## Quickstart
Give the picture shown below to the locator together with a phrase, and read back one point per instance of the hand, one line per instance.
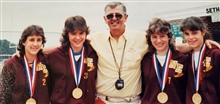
(16, 54)
(184, 48)
(209, 43)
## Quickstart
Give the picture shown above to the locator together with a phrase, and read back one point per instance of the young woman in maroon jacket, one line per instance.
(164, 69)
(204, 74)
(73, 65)
(24, 80)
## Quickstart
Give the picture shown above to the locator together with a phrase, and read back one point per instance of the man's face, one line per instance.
(115, 18)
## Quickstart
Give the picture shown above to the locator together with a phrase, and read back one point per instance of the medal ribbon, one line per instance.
(162, 81)
(197, 70)
(76, 71)
(31, 77)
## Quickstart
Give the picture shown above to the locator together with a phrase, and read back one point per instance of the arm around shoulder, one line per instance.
(183, 48)
(47, 50)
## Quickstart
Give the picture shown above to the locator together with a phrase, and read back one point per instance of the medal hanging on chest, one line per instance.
(31, 101)
(77, 72)
(31, 78)
(196, 98)
(162, 97)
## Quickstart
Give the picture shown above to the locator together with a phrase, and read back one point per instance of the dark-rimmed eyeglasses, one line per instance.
(111, 15)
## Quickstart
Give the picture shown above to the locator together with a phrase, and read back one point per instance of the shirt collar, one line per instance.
(124, 35)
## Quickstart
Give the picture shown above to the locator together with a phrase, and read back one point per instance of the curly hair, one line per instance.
(71, 24)
(161, 27)
(30, 31)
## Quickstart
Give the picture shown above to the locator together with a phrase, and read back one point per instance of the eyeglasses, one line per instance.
(111, 15)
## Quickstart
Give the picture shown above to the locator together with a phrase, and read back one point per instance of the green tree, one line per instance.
(6, 47)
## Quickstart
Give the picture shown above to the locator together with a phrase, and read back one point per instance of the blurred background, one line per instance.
(51, 14)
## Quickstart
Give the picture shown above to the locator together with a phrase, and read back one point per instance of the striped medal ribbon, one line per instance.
(196, 98)
(31, 78)
(77, 72)
(162, 96)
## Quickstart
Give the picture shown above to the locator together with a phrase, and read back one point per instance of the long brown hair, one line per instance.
(161, 27)
(71, 24)
(193, 24)
(29, 31)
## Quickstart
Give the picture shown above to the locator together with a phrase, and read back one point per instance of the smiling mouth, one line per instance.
(35, 49)
(191, 42)
(77, 42)
(161, 44)
(114, 22)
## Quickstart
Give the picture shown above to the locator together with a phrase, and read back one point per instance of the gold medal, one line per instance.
(162, 97)
(31, 101)
(196, 98)
(77, 93)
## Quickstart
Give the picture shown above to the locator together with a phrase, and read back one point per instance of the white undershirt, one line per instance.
(77, 57)
(196, 57)
(161, 59)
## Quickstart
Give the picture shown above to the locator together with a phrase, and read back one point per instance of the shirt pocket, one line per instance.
(132, 61)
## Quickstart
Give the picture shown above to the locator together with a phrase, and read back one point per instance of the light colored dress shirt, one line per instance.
(135, 49)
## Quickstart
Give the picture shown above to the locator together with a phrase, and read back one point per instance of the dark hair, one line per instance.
(194, 24)
(159, 26)
(71, 24)
(113, 5)
(30, 31)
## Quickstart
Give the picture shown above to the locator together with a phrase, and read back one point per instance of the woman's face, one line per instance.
(33, 45)
(77, 38)
(160, 42)
(195, 39)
